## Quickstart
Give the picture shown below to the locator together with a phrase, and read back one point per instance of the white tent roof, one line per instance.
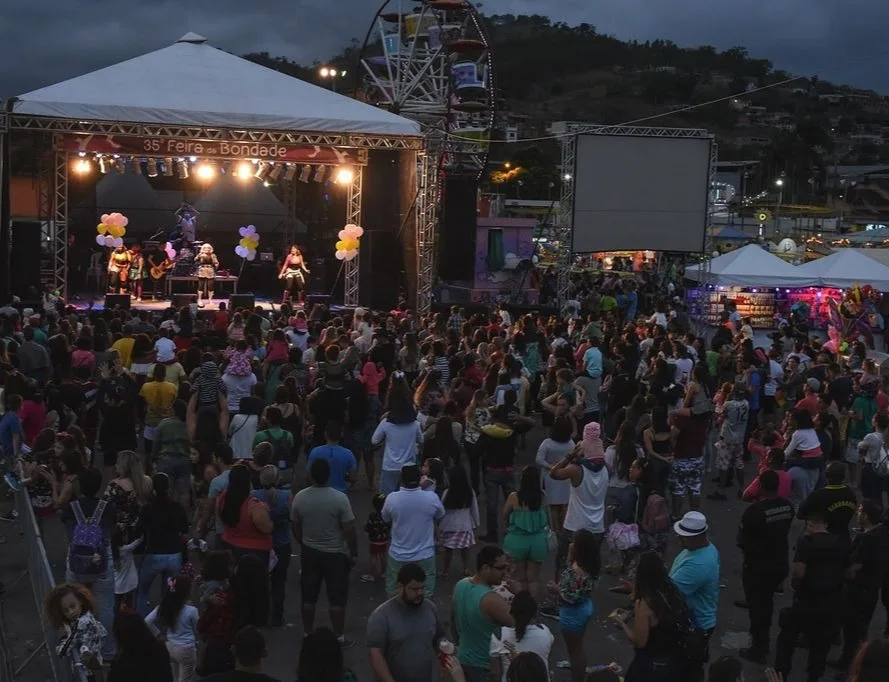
(192, 83)
(845, 268)
(750, 266)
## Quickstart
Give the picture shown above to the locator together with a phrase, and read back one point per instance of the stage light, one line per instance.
(244, 170)
(567, 177)
(262, 171)
(168, 167)
(103, 165)
(193, 159)
(344, 176)
(82, 167)
(182, 169)
(206, 171)
(305, 174)
(320, 173)
(277, 169)
(151, 167)
(290, 173)
(325, 72)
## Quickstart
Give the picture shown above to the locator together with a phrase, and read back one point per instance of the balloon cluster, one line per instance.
(170, 251)
(112, 229)
(347, 246)
(246, 248)
(855, 299)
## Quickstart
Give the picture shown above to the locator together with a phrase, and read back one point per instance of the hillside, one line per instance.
(550, 71)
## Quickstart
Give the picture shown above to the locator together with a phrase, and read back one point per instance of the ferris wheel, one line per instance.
(431, 61)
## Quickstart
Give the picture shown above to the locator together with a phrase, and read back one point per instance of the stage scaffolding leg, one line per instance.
(566, 218)
(427, 219)
(353, 215)
(5, 222)
(59, 227)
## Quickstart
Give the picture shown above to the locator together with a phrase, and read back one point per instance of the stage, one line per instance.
(84, 302)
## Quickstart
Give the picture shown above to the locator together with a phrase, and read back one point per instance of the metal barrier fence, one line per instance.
(42, 582)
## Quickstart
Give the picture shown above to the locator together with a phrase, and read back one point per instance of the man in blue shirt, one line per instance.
(341, 460)
(695, 572)
(592, 359)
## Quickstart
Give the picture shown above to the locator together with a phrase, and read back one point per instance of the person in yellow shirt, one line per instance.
(124, 347)
(159, 395)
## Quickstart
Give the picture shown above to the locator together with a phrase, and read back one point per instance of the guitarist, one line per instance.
(159, 265)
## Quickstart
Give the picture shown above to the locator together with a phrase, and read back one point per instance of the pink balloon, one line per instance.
(104, 218)
(357, 232)
(343, 235)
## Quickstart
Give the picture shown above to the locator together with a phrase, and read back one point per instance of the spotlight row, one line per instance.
(183, 168)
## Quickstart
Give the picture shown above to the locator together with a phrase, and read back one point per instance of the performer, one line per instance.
(118, 269)
(159, 265)
(294, 272)
(138, 271)
(207, 264)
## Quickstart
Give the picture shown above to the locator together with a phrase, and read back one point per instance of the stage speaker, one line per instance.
(456, 242)
(318, 280)
(238, 301)
(384, 269)
(113, 301)
(182, 300)
(24, 268)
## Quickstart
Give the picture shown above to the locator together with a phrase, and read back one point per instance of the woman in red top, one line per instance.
(247, 524)
(33, 412)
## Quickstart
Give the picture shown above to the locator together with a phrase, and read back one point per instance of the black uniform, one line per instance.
(762, 537)
(816, 602)
(836, 503)
(870, 551)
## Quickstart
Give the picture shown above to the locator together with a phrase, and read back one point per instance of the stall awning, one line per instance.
(846, 268)
(750, 266)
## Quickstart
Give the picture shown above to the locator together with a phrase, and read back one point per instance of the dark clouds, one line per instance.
(45, 41)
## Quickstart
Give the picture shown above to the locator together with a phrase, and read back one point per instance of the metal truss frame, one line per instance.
(427, 225)
(54, 181)
(565, 230)
(352, 286)
(358, 140)
(58, 228)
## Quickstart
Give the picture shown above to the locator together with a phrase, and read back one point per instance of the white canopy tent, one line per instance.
(192, 83)
(845, 268)
(749, 266)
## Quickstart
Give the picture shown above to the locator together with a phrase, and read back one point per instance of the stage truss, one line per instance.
(53, 173)
(566, 206)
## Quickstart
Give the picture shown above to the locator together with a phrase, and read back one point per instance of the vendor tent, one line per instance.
(846, 268)
(749, 266)
(877, 236)
(729, 233)
(191, 83)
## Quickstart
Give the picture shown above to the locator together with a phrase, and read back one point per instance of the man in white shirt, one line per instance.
(402, 445)
(412, 512)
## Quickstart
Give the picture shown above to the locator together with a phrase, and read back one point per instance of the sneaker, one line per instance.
(345, 642)
(13, 482)
(11, 515)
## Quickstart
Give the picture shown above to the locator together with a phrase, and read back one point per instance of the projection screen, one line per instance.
(641, 192)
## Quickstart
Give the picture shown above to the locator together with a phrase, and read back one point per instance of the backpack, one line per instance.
(281, 450)
(87, 554)
(656, 517)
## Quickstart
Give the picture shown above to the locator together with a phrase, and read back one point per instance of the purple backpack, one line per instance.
(87, 551)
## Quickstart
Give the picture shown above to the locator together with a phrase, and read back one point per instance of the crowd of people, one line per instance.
(171, 446)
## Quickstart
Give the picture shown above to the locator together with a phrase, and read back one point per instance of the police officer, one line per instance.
(762, 538)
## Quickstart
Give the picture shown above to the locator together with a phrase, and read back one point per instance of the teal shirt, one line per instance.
(473, 628)
(696, 574)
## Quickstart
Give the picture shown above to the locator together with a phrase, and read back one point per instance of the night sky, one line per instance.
(46, 41)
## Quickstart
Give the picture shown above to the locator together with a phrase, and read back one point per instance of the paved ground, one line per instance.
(604, 643)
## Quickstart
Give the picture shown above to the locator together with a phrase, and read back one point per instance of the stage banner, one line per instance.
(213, 149)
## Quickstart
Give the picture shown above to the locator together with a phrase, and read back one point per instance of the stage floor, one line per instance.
(97, 302)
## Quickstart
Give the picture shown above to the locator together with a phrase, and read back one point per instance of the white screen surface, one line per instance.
(640, 193)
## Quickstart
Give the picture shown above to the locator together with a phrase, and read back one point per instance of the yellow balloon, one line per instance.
(352, 244)
(118, 231)
(243, 242)
(102, 228)
(341, 245)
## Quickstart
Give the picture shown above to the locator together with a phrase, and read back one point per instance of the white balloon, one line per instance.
(109, 240)
(124, 221)
(343, 235)
(251, 254)
(351, 254)
(340, 255)
(357, 232)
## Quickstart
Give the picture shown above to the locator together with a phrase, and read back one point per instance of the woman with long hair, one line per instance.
(279, 502)
(461, 518)
(321, 659)
(293, 272)
(477, 416)
(409, 357)
(527, 636)
(659, 440)
(575, 590)
(163, 525)
(140, 657)
(527, 530)
(554, 449)
(175, 620)
(661, 624)
(247, 524)
(442, 444)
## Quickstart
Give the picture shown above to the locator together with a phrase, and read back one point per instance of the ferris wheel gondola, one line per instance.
(431, 61)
